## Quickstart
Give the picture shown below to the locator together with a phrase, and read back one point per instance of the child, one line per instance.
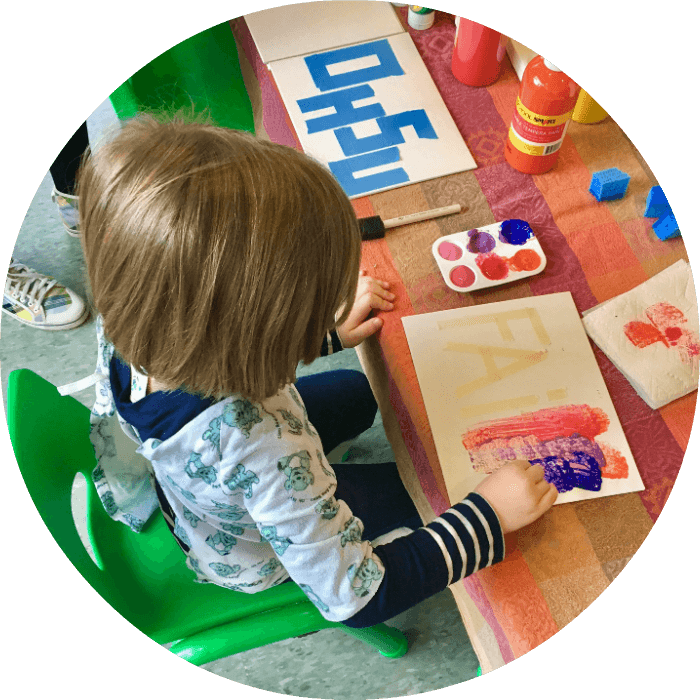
(217, 263)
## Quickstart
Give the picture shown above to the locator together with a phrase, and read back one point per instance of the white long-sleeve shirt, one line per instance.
(251, 499)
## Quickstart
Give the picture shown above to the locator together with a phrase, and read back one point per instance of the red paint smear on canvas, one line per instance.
(664, 324)
(615, 466)
(545, 424)
(534, 432)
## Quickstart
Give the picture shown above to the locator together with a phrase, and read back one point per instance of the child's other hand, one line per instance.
(371, 294)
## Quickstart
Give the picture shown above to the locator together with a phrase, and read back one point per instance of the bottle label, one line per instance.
(537, 134)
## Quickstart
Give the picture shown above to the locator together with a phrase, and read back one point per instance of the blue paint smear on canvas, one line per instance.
(582, 471)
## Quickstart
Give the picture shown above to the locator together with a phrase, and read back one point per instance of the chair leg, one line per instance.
(388, 641)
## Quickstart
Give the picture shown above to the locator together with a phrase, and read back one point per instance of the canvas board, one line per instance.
(518, 380)
(309, 27)
(372, 114)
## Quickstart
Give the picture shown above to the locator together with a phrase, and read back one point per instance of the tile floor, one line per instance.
(324, 664)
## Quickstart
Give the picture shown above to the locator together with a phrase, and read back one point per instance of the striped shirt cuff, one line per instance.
(331, 344)
(469, 536)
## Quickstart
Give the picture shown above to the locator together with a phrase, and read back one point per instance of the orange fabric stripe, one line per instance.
(377, 262)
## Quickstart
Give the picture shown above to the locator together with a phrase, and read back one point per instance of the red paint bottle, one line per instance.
(541, 117)
(477, 54)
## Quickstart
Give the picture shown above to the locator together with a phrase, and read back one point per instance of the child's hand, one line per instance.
(371, 294)
(518, 493)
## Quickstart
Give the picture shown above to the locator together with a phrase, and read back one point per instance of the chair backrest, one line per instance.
(50, 438)
(201, 73)
(143, 576)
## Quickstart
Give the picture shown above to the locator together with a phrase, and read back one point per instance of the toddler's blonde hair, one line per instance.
(217, 261)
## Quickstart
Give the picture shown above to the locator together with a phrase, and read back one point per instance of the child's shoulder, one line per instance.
(236, 425)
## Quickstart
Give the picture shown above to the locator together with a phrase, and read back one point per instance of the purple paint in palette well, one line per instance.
(490, 255)
(480, 241)
(515, 231)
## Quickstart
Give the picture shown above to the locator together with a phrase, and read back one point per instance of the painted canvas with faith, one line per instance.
(518, 380)
(372, 114)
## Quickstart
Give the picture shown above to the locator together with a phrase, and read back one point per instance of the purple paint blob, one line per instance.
(480, 241)
(515, 231)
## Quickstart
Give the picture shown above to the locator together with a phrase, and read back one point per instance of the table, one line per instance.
(556, 567)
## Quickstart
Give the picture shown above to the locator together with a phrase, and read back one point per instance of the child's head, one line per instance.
(218, 261)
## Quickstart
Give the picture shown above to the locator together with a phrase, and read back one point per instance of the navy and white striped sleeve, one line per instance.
(331, 344)
(466, 538)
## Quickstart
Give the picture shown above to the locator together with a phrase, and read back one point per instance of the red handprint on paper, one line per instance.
(665, 324)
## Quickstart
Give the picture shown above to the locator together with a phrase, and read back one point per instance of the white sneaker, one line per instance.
(68, 211)
(40, 301)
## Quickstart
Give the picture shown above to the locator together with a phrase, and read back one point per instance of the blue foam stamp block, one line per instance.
(666, 227)
(657, 204)
(609, 184)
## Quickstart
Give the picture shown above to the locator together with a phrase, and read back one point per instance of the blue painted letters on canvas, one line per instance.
(340, 89)
(344, 171)
(390, 128)
(345, 112)
(318, 65)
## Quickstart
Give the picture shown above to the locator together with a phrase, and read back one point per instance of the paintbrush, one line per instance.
(373, 227)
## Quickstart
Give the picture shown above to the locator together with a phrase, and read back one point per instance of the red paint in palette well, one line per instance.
(462, 276)
(524, 261)
(449, 251)
(492, 266)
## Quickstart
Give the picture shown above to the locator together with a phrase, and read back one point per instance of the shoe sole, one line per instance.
(46, 327)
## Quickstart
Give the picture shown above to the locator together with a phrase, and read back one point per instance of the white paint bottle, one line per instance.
(420, 17)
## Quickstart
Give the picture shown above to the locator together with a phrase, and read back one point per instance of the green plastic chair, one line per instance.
(201, 72)
(144, 576)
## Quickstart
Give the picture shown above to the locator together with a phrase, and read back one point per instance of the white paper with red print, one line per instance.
(651, 335)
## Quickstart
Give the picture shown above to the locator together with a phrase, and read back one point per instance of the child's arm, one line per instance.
(371, 294)
(320, 542)
(463, 540)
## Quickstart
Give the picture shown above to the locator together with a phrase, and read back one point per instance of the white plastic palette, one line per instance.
(488, 256)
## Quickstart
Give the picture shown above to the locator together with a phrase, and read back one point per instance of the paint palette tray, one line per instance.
(489, 255)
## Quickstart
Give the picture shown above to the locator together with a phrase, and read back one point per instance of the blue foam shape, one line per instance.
(657, 204)
(666, 227)
(609, 184)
